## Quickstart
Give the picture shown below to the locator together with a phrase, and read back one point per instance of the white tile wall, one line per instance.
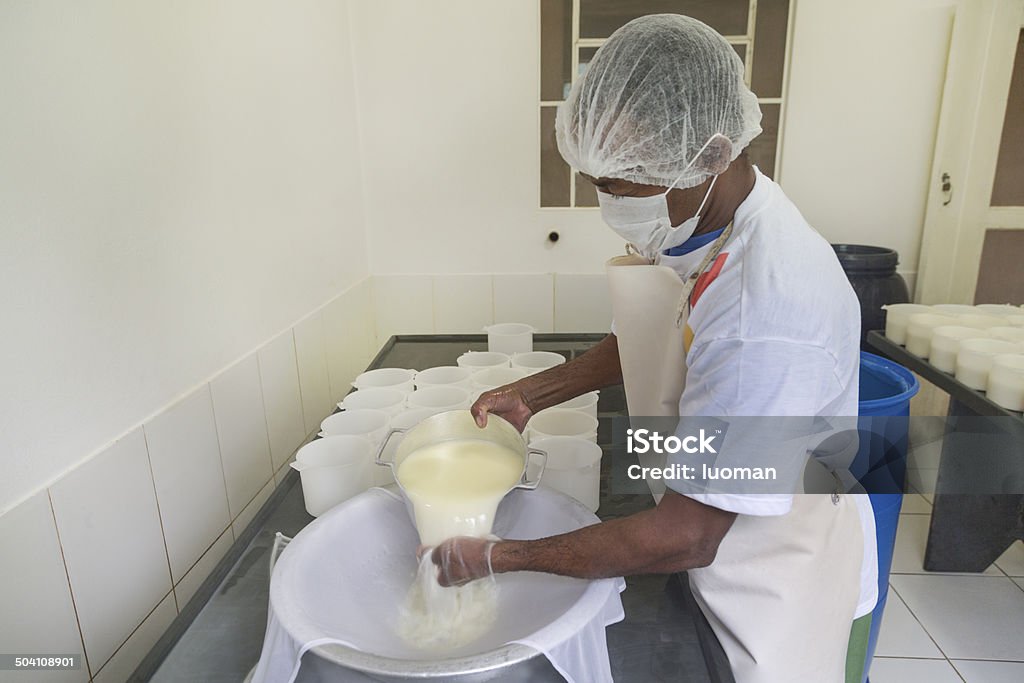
(134, 650)
(404, 304)
(582, 303)
(189, 478)
(109, 528)
(282, 401)
(242, 431)
(249, 512)
(190, 583)
(525, 298)
(350, 328)
(463, 304)
(35, 600)
(159, 502)
(311, 357)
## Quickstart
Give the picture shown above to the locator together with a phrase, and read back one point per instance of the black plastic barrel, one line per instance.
(872, 272)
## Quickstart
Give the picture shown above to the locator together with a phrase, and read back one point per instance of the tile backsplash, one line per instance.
(107, 556)
(464, 304)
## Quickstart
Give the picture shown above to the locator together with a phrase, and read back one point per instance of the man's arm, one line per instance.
(518, 402)
(680, 533)
(598, 368)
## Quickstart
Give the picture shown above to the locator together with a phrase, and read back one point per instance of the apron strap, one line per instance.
(716, 248)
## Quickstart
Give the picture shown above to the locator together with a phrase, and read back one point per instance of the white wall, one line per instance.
(448, 104)
(178, 183)
(865, 87)
(450, 124)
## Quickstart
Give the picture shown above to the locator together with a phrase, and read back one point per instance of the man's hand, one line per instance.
(462, 559)
(508, 402)
(597, 368)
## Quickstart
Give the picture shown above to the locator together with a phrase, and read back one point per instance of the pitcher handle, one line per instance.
(379, 459)
(280, 541)
(526, 483)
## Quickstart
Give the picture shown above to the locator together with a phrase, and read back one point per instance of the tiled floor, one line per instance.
(949, 628)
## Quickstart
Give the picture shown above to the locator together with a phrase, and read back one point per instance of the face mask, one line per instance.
(644, 221)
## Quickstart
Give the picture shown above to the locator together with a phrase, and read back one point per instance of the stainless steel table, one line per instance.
(218, 636)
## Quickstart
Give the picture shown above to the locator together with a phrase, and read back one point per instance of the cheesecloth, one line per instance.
(344, 578)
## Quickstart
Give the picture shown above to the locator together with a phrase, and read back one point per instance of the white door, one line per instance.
(976, 200)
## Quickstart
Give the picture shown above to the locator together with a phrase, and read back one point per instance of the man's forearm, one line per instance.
(596, 369)
(644, 543)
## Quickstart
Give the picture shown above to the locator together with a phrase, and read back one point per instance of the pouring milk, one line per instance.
(455, 486)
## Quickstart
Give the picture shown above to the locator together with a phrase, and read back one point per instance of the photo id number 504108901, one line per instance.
(39, 662)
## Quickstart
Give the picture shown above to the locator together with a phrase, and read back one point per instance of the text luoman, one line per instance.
(690, 472)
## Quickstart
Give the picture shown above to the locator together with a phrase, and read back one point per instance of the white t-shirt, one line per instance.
(773, 330)
(774, 327)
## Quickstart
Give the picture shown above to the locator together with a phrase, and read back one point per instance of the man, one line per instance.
(658, 124)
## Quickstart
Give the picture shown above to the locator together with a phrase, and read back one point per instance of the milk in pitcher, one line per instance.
(455, 486)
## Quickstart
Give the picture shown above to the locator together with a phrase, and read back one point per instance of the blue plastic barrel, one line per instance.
(883, 425)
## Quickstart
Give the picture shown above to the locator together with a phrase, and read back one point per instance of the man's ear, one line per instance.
(717, 155)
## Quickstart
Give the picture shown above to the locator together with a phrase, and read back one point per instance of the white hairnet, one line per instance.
(663, 91)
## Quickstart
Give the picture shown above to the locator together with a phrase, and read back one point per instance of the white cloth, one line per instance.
(342, 579)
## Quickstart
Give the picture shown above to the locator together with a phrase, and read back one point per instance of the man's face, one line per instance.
(682, 204)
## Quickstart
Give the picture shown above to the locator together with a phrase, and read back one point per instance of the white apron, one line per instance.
(781, 594)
